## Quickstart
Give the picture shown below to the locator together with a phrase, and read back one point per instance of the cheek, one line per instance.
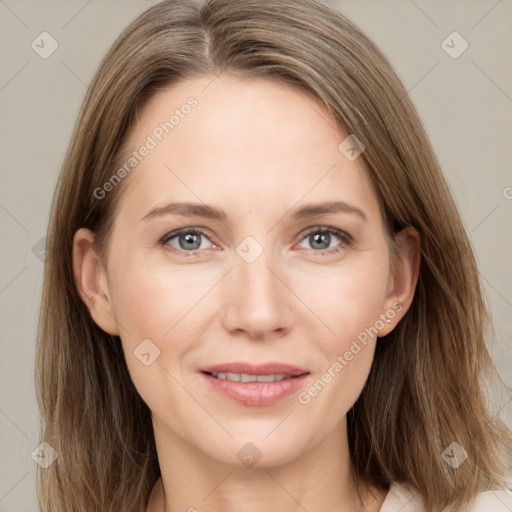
(348, 301)
(151, 299)
(151, 310)
(160, 303)
(346, 298)
(155, 300)
(357, 304)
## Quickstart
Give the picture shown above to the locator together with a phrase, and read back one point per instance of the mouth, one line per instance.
(250, 369)
(247, 377)
(255, 385)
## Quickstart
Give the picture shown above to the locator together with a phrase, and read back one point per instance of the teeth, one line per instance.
(245, 377)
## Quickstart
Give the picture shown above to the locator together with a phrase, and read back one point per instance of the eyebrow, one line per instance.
(209, 212)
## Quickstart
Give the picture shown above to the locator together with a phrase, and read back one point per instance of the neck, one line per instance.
(319, 479)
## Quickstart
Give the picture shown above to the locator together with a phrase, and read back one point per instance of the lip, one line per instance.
(256, 393)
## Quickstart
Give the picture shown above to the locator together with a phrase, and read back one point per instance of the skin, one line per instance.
(258, 150)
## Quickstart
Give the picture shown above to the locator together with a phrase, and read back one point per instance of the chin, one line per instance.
(259, 451)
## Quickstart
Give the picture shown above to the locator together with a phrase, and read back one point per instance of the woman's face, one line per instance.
(267, 279)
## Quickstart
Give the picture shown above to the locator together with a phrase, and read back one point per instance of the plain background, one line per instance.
(465, 104)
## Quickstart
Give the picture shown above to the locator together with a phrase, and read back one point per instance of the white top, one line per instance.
(400, 499)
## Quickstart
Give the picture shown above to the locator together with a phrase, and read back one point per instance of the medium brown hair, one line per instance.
(426, 388)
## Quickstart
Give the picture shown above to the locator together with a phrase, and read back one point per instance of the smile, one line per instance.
(246, 377)
(254, 390)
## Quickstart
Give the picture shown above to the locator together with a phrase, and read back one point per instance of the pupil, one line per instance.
(318, 237)
(189, 239)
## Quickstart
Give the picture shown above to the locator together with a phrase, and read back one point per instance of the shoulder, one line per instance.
(400, 498)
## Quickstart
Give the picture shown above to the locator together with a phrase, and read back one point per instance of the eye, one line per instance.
(189, 242)
(185, 240)
(320, 239)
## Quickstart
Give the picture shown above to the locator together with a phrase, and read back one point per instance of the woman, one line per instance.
(255, 368)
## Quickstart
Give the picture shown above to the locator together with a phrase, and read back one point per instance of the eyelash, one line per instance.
(345, 238)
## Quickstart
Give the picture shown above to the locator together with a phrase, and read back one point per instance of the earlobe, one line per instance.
(404, 277)
(91, 281)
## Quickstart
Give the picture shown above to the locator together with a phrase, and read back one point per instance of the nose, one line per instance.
(257, 298)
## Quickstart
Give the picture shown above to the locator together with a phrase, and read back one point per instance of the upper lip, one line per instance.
(255, 369)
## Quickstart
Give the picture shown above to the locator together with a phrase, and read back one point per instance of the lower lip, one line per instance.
(256, 393)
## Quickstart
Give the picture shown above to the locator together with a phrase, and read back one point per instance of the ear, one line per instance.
(91, 281)
(403, 278)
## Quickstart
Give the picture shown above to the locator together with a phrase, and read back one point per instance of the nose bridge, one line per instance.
(257, 300)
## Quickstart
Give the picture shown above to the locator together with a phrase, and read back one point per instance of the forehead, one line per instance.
(248, 142)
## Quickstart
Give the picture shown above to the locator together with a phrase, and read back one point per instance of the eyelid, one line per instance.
(328, 229)
(181, 231)
(341, 234)
(346, 239)
(176, 233)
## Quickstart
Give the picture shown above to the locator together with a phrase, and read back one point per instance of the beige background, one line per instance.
(465, 103)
